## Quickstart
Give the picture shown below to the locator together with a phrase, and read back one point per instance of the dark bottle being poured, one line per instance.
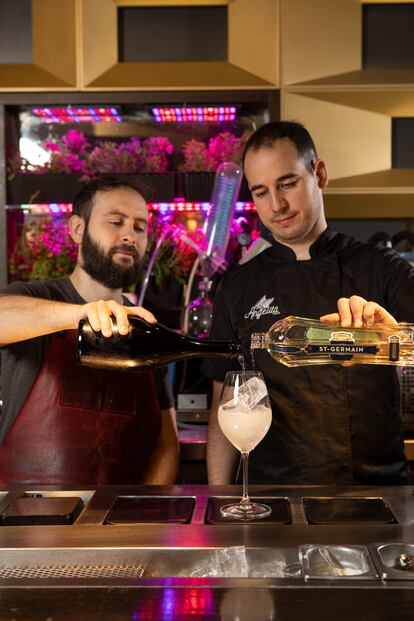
(145, 346)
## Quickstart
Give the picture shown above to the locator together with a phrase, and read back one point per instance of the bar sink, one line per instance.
(332, 562)
(36, 509)
(326, 510)
(151, 509)
(395, 560)
(279, 506)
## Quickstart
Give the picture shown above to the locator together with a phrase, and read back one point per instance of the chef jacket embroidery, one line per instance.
(262, 307)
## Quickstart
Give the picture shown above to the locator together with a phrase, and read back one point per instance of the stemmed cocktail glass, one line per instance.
(245, 416)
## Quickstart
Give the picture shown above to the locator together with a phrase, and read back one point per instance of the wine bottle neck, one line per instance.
(232, 349)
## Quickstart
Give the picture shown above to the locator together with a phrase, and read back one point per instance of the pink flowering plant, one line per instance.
(134, 155)
(73, 154)
(196, 157)
(199, 157)
(68, 154)
(45, 250)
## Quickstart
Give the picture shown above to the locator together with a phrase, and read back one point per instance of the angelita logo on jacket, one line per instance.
(262, 307)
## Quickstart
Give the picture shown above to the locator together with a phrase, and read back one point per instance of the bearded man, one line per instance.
(63, 424)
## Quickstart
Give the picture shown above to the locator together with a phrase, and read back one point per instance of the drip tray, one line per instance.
(395, 560)
(39, 510)
(151, 509)
(329, 562)
(348, 510)
(279, 506)
(123, 566)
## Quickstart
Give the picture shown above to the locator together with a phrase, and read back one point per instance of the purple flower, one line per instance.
(51, 145)
(75, 140)
(72, 153)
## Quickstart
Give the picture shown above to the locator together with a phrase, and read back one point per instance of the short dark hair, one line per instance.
(270, 133)
(83, 203)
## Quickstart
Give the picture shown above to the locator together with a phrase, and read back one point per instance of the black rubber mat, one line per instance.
(44, 510)
(348, 510)
(279, 506)
(151, 509)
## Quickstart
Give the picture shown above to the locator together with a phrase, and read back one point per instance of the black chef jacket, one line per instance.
(331, 424)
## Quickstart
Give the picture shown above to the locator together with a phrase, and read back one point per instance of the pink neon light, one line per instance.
(48, 208)
(78, 115)
(201, 114)
(165, 208)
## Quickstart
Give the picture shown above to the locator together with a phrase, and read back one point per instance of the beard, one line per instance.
(102, 268)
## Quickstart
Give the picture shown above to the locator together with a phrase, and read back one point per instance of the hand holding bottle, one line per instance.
(146, 345)
(297, 341)
(101, 312)
(358, 312)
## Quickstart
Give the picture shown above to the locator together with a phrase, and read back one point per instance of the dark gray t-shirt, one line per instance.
(21, 362)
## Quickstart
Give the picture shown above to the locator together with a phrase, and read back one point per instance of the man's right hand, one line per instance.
(358, 312)
(99, 315)
(25, 317)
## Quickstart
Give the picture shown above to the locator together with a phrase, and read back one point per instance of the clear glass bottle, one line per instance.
(218, 221)
(145, 346)
(298, 341)
(200, 312)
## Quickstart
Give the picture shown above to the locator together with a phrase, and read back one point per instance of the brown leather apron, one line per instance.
(81, 426)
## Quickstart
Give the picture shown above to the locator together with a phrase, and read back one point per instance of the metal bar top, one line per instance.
(97, 542)
(91, 528)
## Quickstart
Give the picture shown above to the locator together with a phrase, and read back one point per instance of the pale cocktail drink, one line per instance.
(245, 428)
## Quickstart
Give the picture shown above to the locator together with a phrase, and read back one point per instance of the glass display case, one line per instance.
(172, 150)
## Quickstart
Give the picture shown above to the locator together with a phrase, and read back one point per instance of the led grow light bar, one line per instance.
(164, 208)
(78, 115)
(198, 114)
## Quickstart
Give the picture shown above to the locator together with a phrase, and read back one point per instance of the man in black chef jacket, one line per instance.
(331, 424)
(67, 424)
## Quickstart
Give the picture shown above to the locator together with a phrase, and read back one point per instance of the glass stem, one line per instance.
(245, 501)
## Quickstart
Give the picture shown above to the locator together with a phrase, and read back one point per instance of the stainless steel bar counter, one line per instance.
(165, 553)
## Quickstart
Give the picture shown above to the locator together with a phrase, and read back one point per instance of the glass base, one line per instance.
(248, 511)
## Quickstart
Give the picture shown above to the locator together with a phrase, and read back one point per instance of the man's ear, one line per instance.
(76, 228)
(321, 174)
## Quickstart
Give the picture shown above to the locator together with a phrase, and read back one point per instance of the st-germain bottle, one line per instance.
(145, 346)
(298, 341)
